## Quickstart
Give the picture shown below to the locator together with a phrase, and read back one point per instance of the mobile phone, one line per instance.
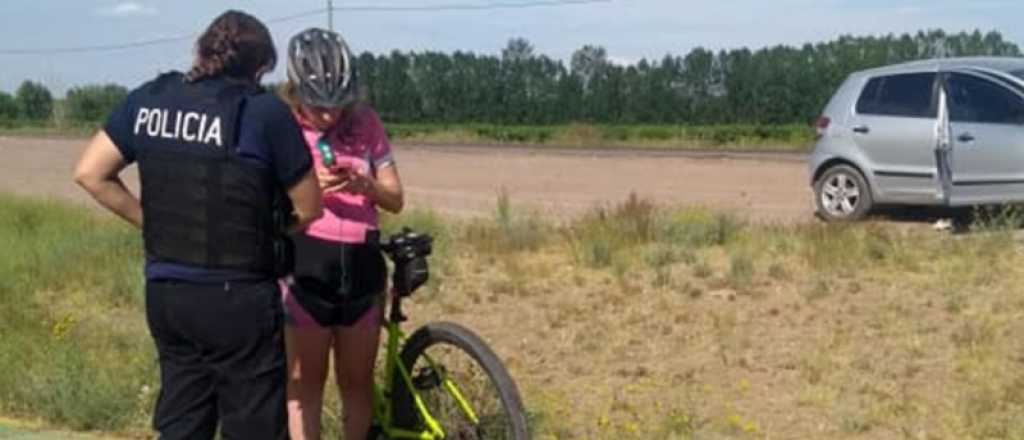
(326, 155)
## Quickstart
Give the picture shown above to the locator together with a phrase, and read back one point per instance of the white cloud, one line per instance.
(622, 61)
(127, 9)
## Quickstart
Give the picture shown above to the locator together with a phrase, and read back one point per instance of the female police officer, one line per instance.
(218, 160)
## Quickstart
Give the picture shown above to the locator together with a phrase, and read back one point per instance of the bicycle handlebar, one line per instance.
(407, 245)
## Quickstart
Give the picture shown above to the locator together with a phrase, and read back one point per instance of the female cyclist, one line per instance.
(334, 298)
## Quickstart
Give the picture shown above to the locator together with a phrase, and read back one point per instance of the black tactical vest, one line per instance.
(202, 204)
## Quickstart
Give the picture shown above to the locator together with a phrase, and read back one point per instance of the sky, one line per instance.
(628, 29)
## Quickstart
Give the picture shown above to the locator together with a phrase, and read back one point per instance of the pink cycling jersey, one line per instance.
(359, 141)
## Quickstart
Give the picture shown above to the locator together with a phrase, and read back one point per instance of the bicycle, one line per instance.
(428, 392)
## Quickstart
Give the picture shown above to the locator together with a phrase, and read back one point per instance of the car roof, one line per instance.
(1005, 64)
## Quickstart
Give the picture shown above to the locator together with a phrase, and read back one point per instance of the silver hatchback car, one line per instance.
(946, 132)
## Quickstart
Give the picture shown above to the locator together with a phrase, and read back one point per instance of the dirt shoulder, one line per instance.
(466, 179)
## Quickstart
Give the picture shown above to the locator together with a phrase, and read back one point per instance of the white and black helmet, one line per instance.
(320, 67)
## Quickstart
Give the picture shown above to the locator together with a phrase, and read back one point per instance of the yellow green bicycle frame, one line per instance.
(382, 409)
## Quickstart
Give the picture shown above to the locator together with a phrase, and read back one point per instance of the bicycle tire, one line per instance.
(406, 415)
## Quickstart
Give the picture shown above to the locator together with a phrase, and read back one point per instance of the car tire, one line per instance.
(842, 194)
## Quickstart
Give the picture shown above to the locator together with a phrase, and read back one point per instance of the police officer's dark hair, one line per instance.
(237, 45)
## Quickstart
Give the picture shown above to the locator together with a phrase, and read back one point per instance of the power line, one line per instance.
(96, 48)
(469, 6)
(144, 43)
(310, 13)
(296, 16)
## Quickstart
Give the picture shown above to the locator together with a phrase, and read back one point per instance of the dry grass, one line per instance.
(640, 322)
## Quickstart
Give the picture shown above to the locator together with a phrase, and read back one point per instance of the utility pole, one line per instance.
(330, 15)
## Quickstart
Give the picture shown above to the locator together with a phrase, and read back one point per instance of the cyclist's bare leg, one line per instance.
(307, 349)
(355, 352)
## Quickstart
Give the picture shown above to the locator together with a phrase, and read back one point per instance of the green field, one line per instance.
(742, 137)
(684, 137)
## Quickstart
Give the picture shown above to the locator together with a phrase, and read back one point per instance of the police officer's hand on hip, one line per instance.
(224, 171)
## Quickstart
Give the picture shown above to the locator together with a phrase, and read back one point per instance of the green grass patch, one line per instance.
(784, 138)
(48, 129)
(73, 348)
(739, 137)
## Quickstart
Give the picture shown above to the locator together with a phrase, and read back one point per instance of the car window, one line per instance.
(908, 95)
(973, 99)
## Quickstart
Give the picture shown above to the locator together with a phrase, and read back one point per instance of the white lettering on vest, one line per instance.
(165, 125)
(140, 119)
(214, 133)
(202, 128)
(185, 133)
(177, 125)
(185, 126)
(153, 125)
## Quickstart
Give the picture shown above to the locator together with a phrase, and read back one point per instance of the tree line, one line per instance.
(773, 85)
(33, 104)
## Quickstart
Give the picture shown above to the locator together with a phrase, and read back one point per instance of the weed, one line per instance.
(997, 218)
(820, 288)
(701, 269)
(778, 272)
(741, 270)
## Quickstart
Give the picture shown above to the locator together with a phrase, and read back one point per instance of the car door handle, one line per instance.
(862, 129)
(965, 138)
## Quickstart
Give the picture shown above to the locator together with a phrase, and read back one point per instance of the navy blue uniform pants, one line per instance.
(222, 360)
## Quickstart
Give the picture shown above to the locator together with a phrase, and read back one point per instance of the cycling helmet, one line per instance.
(320, 67)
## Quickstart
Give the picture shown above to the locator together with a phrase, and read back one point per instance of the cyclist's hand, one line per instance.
(332, 180)
(358, 182)
(329, 179)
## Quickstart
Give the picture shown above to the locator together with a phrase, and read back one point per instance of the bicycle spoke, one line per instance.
(459, 387)
(474, 389)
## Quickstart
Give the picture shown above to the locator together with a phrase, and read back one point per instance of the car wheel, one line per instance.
(842, 194)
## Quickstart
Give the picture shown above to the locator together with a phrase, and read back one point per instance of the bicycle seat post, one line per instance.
(396, 309)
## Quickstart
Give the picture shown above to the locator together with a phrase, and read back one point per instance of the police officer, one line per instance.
(224, 170)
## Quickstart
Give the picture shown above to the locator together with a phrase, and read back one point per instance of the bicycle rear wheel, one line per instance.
(478, 380)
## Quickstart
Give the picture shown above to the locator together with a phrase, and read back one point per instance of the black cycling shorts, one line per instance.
(337, 283)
